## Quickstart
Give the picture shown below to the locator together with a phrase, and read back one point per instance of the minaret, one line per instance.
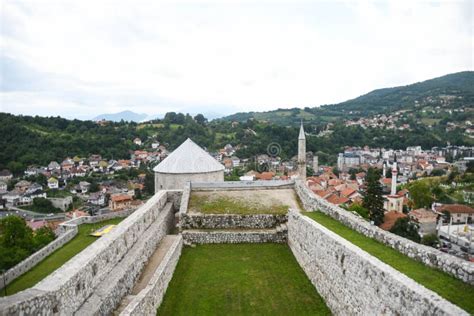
(384, 170)
(302, 154)
(394, 177)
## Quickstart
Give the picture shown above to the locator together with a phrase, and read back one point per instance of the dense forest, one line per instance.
(37, 140)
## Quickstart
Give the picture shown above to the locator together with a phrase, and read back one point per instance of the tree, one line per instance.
(373, 198)
(149, 183)
(94, 187)
(421, 194)
(430, 240)
(470, 166)
(405, 228)
(15, 233)
(43, 236)
(200, 119)
(42, 205)
(359, 209)
(17, 240)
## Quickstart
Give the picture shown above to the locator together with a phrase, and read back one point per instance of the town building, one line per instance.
(426, 220)
(120, 202)
(459, 213)
(5, 175)
(53, 183)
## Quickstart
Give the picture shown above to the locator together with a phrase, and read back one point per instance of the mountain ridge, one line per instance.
(451, 90)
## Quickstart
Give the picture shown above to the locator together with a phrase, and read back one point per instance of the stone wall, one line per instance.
(176, 181)
(109, 293)
(242, 185)
(226, 221)
(456, 267)
(352, 282)
(25, 265)
(147, 301)
(65, 232)
(66, 289)
(235, 237)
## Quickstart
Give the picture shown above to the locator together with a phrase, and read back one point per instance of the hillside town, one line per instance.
(79, 186)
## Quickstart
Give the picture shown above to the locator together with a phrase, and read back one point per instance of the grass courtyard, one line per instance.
(243, 202)
(58, 258)
(240, 279)
(450, 288)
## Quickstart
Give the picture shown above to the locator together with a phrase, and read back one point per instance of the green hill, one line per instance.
(452, 91)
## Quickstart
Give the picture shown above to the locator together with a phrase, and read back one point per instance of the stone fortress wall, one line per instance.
(95, 281)
(432, 257)
(352, 282)
(68, 288)
(232, 228)
(65, 232)
(149, 299)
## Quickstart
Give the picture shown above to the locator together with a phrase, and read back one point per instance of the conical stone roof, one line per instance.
(188, 158)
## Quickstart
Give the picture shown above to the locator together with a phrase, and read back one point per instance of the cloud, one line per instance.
(82, 58)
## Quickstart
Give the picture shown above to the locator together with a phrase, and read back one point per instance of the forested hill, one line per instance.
(451, 91)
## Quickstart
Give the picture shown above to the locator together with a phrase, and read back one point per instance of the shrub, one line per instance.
(359, 209)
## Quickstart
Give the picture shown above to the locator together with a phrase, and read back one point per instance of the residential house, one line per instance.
(120, 202)
(22, 186)
(34, 187)
(390, 218)
(53, 165)
(53, 183)
(27, 198)
(78, 172)
(426, 220)
(3, 187)
(96, 198)
(5, 175)
(94, 160)
(31, 171)
(460, 213)
(235, 161)
(137, 141)
(12, 197)
(67, 164)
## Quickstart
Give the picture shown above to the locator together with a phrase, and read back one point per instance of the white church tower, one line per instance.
(302, 154)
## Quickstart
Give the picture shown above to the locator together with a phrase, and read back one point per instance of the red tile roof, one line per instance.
(455, 208)
(390, 218)
(334, 199)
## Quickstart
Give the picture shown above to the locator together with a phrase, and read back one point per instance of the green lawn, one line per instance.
(240, 279)
(212, 203)
(450, 288)
(58, 258)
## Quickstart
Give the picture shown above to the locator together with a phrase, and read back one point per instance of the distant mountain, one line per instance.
(127, 116)
(450, 91)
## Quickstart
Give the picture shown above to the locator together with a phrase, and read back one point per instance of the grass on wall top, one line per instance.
(445, 285)
(55, 260)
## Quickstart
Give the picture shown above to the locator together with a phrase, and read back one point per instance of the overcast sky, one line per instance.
(83, 58)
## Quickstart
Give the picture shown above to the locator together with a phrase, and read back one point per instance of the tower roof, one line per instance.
(301, 136)
(188, 158)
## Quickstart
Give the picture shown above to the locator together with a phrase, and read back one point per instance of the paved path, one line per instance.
(148, 271)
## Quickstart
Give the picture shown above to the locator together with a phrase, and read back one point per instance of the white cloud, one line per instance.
(155, 56)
